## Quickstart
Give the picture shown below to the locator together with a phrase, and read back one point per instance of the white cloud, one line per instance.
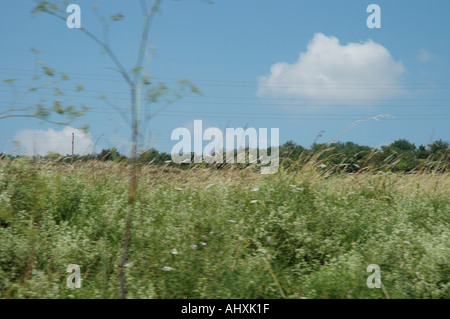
(329, 70)
(424, 56)
(40, 142)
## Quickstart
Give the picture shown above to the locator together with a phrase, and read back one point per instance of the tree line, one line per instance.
(348, 157)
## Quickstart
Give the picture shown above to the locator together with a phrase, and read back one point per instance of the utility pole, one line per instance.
(73, 141)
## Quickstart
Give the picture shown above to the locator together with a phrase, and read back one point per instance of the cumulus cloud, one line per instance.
(40, 142)
(332, 71)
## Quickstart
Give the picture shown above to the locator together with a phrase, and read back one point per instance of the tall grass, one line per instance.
(230, 233)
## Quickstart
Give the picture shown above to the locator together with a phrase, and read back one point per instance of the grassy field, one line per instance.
(205, 233)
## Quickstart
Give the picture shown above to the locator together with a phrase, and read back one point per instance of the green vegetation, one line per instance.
(305, 232)
(347, 157)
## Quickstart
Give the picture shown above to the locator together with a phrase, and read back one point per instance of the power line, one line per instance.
(281, 100)
(110, 77)
(209, 60)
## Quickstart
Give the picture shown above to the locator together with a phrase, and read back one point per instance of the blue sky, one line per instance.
(304, 67)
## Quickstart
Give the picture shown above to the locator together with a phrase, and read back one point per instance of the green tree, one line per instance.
(401, 154)
(422, 152)
(152, 156)
(110, 155)
(438, 149)
(403, 146)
